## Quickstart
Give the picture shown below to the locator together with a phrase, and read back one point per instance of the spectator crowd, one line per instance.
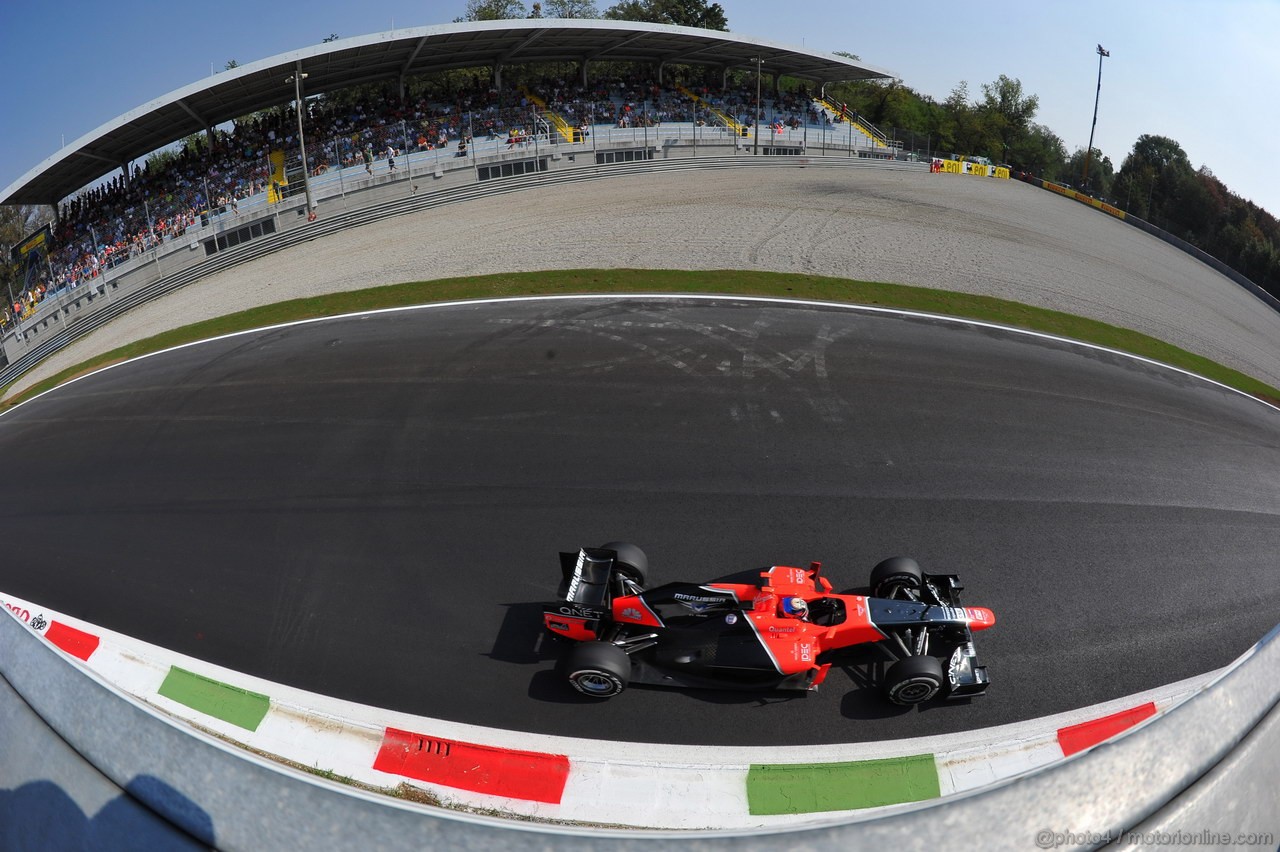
(210, 175)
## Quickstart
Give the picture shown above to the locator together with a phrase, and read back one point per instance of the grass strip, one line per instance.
(733, 282)
(813, 787)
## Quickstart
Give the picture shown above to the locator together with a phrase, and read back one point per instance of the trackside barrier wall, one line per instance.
(81, 755)
(1177, 242)
(176, 265)
(968, 167)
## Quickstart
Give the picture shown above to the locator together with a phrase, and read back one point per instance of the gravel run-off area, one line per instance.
(954, 232)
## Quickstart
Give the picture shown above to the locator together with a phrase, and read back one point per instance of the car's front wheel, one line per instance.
(914, 680)
(597, 669)
(897, 577)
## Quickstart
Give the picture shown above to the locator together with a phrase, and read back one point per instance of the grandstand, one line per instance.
(240, 161)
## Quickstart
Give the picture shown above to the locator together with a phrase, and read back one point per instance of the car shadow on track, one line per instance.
(550, 686)
(521, 638)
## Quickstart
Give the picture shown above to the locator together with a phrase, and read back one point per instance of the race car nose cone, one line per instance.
(980, 618)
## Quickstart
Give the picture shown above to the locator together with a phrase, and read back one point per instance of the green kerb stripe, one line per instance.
(214, 698)
(810, 787)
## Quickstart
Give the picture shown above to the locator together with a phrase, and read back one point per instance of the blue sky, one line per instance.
(1203, 73)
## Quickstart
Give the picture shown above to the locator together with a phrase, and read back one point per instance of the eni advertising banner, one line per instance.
(968, 167)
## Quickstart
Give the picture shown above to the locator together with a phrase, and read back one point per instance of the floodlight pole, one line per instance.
(297, 79)
(1151, 186)
(756, 150)
(1088, 155)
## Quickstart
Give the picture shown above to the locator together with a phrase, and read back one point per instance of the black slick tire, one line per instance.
(897, 572)
(597, 669)
(914, 680)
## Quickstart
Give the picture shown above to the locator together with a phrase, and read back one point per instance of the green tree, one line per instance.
(1008, 112)
(1039, 151)
(1000, 126)
(967, 130)
(1149, 177)
(492, 10)
(630, 10)
(1200, 218)
(898, 106)
(1006, 98)
(683, 13)
(571, 9)
(1161, 149)
(1157, 182)
(1101, 173)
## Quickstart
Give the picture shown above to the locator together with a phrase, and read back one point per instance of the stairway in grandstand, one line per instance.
(557, 120)
(864, 127)
(729, 121)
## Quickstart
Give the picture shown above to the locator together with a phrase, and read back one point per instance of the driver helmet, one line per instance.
(795, 606)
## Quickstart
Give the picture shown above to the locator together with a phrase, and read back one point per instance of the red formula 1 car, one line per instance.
(780, 631)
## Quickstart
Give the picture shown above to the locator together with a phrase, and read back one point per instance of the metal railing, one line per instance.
(856, 120)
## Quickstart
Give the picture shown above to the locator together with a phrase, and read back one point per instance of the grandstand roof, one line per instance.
(404, 53)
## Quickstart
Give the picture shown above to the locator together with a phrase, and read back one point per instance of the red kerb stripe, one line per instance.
(75, 642)
(1080, 737)
(497, 771)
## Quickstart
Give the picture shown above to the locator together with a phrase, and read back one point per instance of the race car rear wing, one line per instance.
(585, 594)
(588, 575)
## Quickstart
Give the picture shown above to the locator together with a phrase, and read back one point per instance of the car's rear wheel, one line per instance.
(897, 577)
(914, 680)
(597, 669)
(631, 561)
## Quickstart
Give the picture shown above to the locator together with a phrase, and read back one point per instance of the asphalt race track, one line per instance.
(371, 507)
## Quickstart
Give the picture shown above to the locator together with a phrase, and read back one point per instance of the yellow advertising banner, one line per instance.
(1084, 199)
(33, 256)
(968, 167)
(278, 179)
(32, 243)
